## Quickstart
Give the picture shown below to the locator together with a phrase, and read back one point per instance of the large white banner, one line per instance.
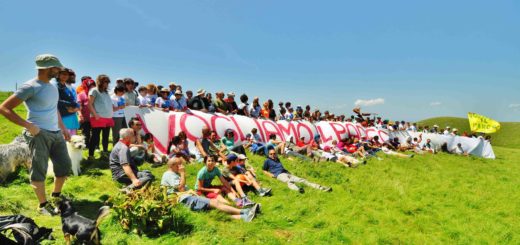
(165, 125)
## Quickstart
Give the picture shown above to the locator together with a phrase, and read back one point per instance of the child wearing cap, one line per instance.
(236, 173)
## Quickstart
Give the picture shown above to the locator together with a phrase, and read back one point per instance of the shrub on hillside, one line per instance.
(152, 212)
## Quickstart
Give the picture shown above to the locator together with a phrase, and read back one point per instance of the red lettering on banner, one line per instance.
(381, 139)
(214, 119)
(347, 125)
(184, 118)
(361, 130)
(324, 139)
(288, 130)
(275, 131)
(368, 130)
(311, 134)
(240, 133)
(339, 131)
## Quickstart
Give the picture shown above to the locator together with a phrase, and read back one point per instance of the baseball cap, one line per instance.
(231, 157)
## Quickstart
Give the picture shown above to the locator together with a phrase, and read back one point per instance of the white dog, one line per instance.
(13, 155)
(75, 148)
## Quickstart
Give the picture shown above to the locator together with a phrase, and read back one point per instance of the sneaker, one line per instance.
(247, 203)
(48, 210)
(264, 191)
(326, 189)
(411, 156)
(301, 190)
(250, 215)
(239, 203)
(257, 208)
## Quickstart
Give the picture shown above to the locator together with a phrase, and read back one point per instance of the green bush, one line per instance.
(152, 212)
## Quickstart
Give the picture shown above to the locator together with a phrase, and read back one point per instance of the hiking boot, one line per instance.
(247, 203)
(48, 210)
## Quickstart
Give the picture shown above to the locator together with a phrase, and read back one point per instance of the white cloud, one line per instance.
(371, 102)
(514, 105)
(435, 103)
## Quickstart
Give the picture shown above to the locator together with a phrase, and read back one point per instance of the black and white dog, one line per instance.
(74, 225)
(13, 155)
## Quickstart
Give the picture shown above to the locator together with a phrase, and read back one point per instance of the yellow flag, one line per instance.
(482, 124)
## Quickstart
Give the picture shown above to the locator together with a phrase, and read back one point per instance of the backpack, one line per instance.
(24, 230)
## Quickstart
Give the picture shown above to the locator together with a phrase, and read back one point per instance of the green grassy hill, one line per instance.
(440, 199)
(507, 136)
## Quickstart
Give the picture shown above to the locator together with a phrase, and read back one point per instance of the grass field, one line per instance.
(440, 199)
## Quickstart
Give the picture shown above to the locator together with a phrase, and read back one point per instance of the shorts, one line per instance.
(45, 145)
(101, 122)
(195, 203)
(212, 195)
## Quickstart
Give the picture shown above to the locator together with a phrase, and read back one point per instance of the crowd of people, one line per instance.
(58, 107)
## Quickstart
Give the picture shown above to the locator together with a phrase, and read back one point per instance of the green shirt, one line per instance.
(207, 176)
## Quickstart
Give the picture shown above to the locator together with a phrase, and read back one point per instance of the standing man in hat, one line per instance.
(44, 129)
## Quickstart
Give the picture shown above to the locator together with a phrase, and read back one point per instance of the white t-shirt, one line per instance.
(160, 102)
(118, 101)
(144, 101)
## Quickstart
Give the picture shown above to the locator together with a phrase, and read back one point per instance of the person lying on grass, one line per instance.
(175, 179)
(240, 178)
(205, 188)
(274, 169)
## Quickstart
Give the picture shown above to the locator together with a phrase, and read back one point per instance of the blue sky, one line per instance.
(423, 59)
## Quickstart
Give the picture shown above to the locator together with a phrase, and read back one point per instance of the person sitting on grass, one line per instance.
(257, 146)
(459, 150)
(273, 143)
(123, 168)
(175, 180)
(204, 187)
(229, 141)
(237, 175)
(389, 149)
(205, 146)
(151, 156)
(274, 169)
(429, 147)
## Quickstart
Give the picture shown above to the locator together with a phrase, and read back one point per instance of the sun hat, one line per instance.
(201, 92)
(231, 94)
(177, 92)
(46, 61)
(455, 130)
(165, 90)
(435, 126)
(172, 84)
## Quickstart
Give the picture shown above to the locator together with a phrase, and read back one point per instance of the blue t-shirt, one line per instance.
(207, 176)
(41, 100)
(274, 167)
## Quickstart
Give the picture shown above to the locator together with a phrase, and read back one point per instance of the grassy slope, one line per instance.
(428, 199)
(505, 137)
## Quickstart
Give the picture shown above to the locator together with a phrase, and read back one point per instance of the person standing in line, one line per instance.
(101, 111)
